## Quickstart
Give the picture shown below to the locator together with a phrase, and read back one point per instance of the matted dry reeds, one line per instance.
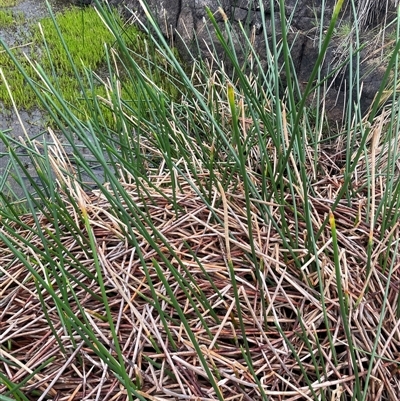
(165, 366)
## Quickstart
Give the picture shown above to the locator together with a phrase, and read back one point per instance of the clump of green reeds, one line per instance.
(226, 252)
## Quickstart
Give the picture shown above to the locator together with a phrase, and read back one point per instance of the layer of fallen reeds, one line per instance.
(197, 267)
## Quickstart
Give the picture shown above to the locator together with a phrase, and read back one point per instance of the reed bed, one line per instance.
(234, 246)
(203, 240)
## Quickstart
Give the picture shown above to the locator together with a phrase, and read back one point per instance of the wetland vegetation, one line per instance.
(234, 246)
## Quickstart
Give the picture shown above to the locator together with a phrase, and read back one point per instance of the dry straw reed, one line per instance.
(204, 247)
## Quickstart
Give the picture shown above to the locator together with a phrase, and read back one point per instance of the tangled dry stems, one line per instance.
(202, 240)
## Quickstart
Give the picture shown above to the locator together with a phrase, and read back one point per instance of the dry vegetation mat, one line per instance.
(287, 332)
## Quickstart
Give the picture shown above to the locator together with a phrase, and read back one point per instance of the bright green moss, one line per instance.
(85, 38)
(84, 35)
(6, 18)
(8, 3)
(84, 45)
